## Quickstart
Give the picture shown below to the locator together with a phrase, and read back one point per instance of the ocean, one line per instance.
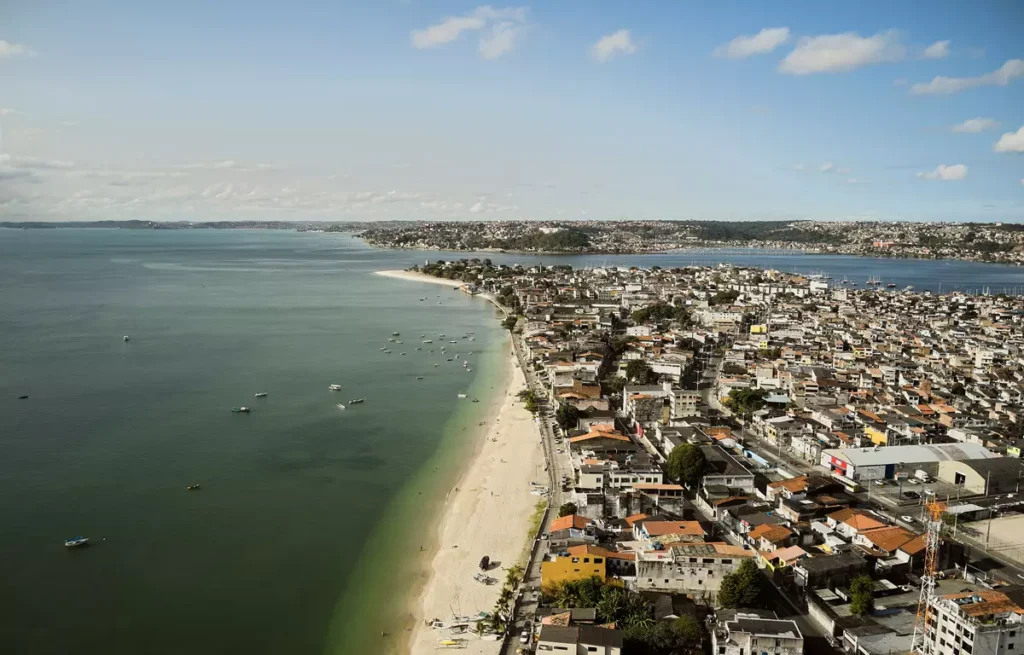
(306, 535)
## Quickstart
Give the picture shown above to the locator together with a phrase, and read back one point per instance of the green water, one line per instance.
(306, 533)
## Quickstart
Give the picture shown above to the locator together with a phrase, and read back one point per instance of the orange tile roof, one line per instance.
(889, 538)
(598, 431)
(794, 485)
(771, 533)
(571, 521)
(658, 487)
(633, 519)
(861, 522)
(992, 602)
(597, 551)
(660, 528)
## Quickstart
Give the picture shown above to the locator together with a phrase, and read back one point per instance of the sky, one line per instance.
(559, 109)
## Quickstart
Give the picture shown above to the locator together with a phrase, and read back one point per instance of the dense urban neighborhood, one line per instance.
(995, 242)
(749, 461)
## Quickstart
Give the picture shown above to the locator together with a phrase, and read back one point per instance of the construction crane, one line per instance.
(923, 628)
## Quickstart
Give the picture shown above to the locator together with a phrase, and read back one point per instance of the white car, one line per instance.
(907, 519)
(525, 637)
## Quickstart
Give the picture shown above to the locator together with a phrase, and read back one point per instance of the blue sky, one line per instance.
(392, 109)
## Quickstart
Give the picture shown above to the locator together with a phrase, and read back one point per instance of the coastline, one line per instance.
(413, 276)
(486, 513)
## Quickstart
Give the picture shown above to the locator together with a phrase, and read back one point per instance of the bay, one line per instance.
(306, 535)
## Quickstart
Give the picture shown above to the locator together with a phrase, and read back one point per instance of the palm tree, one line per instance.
(514, 575)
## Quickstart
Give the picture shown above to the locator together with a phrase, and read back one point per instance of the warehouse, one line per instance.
(880, 463)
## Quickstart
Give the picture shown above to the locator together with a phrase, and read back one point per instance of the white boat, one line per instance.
(395, 334)
(356, 401)
(76, 542)
(340, 406)
(462, 395)
(261, 394)
(469, 370)
(428, 341)
(127, 338)
(335, 387)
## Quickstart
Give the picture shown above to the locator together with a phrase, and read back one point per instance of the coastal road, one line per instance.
(531, 580)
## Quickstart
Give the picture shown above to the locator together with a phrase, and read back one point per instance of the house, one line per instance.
(829, 571)
(768, 537)
(647, 530)
(579, 640)
(616, 562)
(604, 439)
(987, 621)
(694, 569)
(850, 522)
(566, 566)
(748, 632)
(783, 558)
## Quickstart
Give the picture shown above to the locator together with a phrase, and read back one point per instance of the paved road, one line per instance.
(557, 466)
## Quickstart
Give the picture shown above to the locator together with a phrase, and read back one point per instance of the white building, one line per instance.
(695, 569)
(579, 640)
(979, 622)
(750, 633)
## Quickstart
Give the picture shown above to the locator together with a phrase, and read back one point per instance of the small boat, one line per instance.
(428, 341)
(382, 348)
(435, 365)
(462, 395)
(398, 342)
(193, 487)
(392, 340)
(441, 336)
(910, 287)
(402, 353)
(356, 401)
(451, 359)
(240, 410)
(26, 397)
(337, 387)
(396, 334)
(419, 377)
(453, 341)
(422, 299)
(340, 405)
(127, 338)
(891, 285)
(76, 542)
(476, 400)
(469, 370)
(261, 394)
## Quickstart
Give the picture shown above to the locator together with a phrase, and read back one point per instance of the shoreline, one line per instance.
(473, 523)
(486, 512)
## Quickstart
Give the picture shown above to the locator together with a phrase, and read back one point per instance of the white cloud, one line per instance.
(501, 40)
(33, 163)
(975, 125)
(612, 45)
(8, 50)
(744, 46)
(836, 53)
(948, 173)
(1011, 142)
(937, 50)
(229, 165)
(507, 25)
(941, 85)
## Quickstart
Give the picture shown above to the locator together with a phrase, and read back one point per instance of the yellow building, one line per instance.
(759, 329)
(571, 567)
(876, 436)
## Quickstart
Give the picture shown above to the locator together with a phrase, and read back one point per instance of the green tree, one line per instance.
(741, 588)
(568, 417)
(862, 590)
(746, 401)
(637, 370)
(510, 322)
(686, 464)
(567, 508)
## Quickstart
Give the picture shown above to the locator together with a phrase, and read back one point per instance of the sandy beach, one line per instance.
(487, 513)
(413, 276)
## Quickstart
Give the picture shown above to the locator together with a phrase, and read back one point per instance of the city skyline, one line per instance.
(466, 111)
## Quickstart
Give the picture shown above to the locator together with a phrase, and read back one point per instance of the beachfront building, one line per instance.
(694, 569)
(579, 640)
(748, 632)
(568, 566)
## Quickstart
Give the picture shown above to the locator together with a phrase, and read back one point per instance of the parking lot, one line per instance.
(909, 495)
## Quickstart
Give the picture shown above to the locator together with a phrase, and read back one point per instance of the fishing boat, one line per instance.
(127, 338)
(356, 401)
(462, 395)
(428, 341)
(261, 394)
(476, 400)
(340, 405)
(337, 387)
(469, 370)
(76, 542)
(419, 377)
(396, 334)
(240, 410)
(194, 487)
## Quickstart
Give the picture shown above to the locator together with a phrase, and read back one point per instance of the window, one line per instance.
(726, 561)
(693, 560)
(708, 561)
(591, 649)
(575, 560)
(586, 560)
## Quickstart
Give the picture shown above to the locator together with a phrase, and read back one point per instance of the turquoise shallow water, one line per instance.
(306, 534)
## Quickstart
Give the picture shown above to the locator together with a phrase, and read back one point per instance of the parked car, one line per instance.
(907, 519)
(524, 638)
(911, 494)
